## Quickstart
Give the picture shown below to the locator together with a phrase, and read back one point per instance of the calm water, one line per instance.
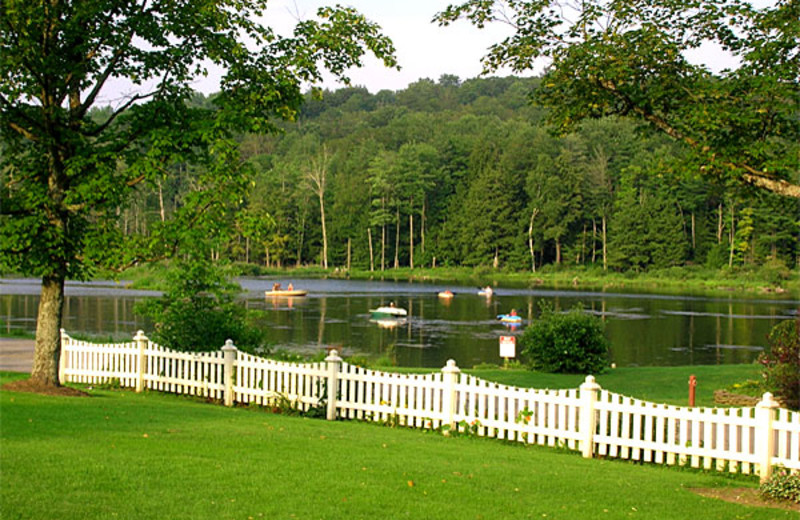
(644, 329)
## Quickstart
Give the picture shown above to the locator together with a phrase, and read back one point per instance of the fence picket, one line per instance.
(719, 439)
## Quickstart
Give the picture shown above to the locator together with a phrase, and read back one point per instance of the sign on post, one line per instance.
(508, 347)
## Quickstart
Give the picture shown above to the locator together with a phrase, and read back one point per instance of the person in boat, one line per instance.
(391, 304)
(276, 287)
(487, 290)
(290, 287)
(513, 312)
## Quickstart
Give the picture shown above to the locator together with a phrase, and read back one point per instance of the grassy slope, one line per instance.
(122, 455)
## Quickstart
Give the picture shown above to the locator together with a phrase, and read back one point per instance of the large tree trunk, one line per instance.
(48, 331)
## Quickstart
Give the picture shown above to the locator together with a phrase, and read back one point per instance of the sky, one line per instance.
(424, 50)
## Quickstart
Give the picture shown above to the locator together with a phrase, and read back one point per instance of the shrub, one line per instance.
(782, 485)
(572, 342)
(198, 311)
(782, 362)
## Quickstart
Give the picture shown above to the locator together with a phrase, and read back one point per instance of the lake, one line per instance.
(644, 328)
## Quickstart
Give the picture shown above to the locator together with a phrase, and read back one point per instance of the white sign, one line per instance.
(508, 346)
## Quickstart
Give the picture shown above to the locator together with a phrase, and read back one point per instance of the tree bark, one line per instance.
(530, 239)
(371, 257)
(558, 251)
(47, 351)
(732, 236)
(397, 238)
(161, 202)
(605, 246)
(422, 227)
(411, 240)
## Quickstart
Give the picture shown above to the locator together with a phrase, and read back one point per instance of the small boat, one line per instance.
(286, 293)
(487, 291)
(388, 312)
(508, 318)
(446, 294)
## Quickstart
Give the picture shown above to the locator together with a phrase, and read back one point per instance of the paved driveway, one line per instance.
(16, 355)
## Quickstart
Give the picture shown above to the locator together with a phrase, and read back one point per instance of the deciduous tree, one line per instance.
(629, 57)
(66, 173)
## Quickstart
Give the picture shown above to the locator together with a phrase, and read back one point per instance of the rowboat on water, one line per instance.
(446, 294)
(286, 293)
(388, 312)
(510, 318)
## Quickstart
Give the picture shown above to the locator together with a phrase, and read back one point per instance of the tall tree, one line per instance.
(66, 173)
(317, 179)
(414, 173)
(628, 57)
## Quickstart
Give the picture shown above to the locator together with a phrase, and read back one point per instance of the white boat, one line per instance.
(388, 312)
(286, 293)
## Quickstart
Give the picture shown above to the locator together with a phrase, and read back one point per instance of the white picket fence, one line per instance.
(595, 421)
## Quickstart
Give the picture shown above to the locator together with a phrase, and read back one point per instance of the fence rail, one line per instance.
(595, 421)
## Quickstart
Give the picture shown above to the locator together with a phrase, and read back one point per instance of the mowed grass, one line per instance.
(119, 454)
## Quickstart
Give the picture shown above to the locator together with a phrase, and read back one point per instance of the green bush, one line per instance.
(571, 343)
(782, 485)
(774, 271)
(198, 312)
(782, 362)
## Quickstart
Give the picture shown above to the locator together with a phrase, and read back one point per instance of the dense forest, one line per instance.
(454, 172)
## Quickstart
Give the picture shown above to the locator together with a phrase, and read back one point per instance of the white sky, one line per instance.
(424, 50)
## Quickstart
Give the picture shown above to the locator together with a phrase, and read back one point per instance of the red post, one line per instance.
(692, 387)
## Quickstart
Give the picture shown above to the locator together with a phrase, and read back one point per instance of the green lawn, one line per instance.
(659, 384)
(122, 455)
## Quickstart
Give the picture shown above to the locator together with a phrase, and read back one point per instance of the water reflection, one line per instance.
(644, 329)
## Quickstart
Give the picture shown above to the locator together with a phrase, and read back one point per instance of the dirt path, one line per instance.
(16, 355)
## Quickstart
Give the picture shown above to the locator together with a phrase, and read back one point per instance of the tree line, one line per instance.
(467, 173)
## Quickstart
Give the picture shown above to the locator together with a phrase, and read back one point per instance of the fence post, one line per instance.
(450, 372)
(229, 352)
(334, 366)
(588, 422)
(62, 357)
(141, 365)
(765, 439)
